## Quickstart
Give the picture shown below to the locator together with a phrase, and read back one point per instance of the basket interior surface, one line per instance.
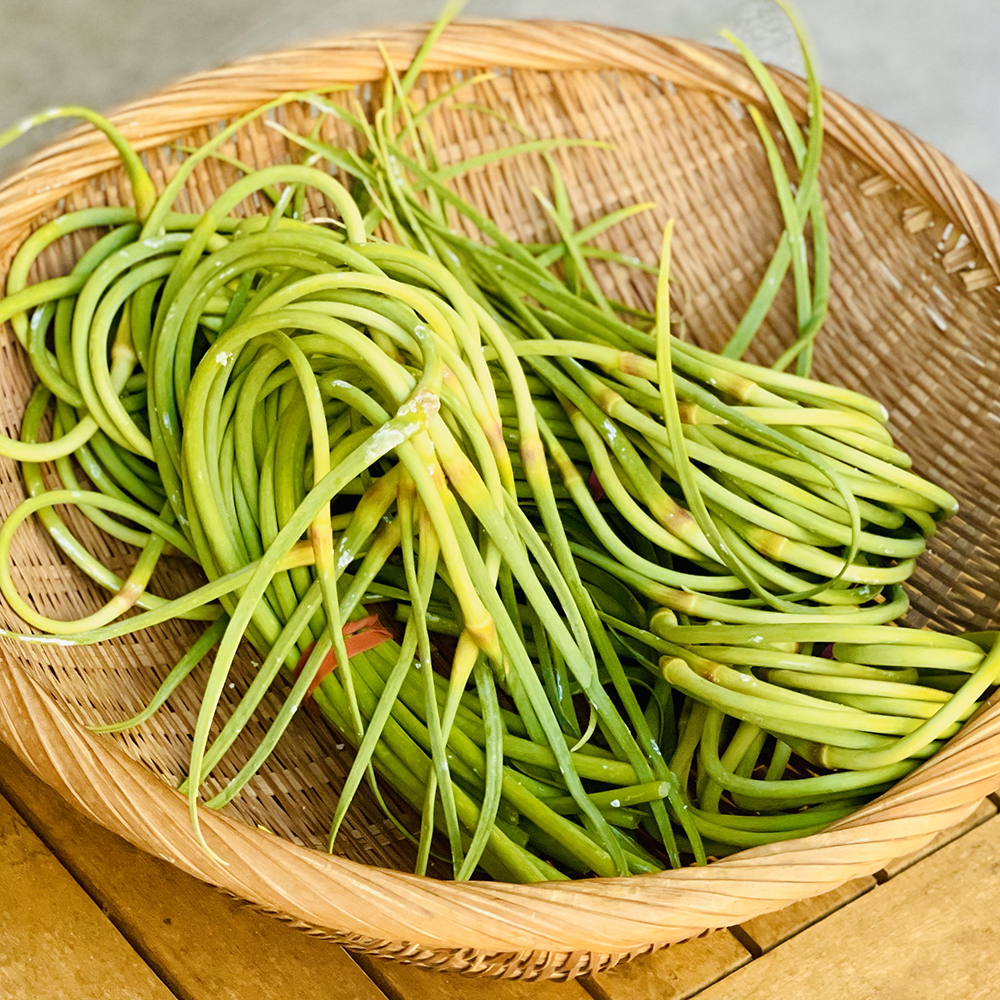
(914, 321)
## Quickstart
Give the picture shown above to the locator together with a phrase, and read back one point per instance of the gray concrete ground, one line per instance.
(933, 65)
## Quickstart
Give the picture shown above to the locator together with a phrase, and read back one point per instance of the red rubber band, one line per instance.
(596, 489)
(359, 636)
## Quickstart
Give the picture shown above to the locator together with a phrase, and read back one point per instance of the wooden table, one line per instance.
(84, 915)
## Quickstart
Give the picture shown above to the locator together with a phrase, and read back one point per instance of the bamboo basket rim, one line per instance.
(552, 930)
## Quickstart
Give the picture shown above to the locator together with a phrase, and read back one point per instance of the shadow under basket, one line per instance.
(914, 321)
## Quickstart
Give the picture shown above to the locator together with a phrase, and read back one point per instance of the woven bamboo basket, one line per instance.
(915, 322)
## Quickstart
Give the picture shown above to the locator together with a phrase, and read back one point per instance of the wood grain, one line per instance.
(55, 944)
(933, 931)
(203, 944)
(673, 973)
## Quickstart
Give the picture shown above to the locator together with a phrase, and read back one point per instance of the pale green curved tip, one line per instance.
(39, 640)
(141, 183)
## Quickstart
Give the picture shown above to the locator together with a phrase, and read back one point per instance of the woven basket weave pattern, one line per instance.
(914, 322)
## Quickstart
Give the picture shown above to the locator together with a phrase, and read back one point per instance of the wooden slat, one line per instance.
(55, 944)
(765, 932)
(932, 931)
(930, 928)
(204, 945)
(986, 811)
(406, 982)
(674, 973)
